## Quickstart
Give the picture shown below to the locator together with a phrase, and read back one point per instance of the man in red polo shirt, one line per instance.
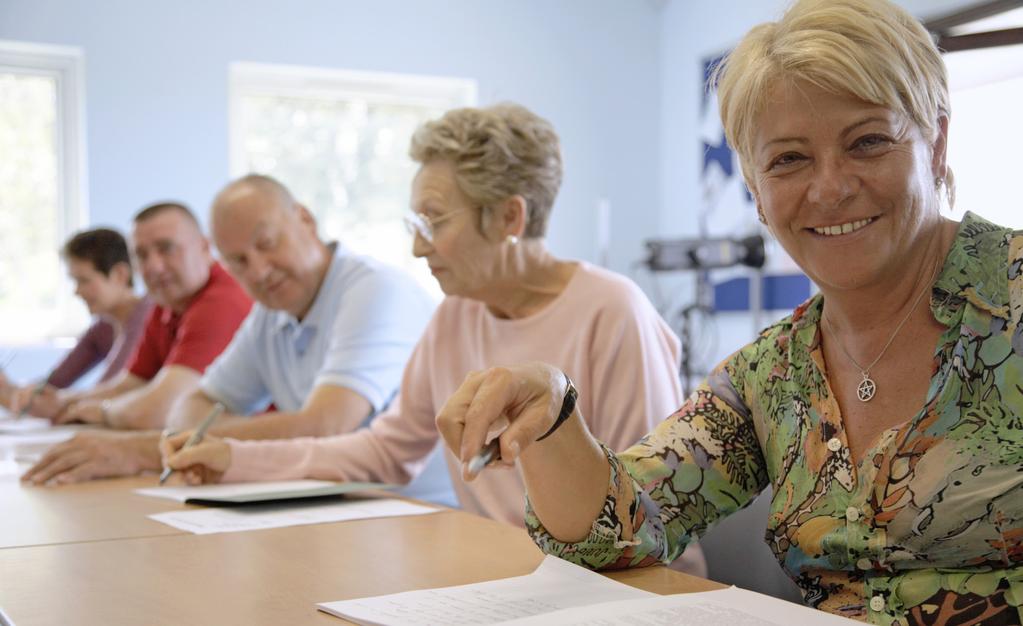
(199, 308)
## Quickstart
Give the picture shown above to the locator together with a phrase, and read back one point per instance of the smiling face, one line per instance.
(461, 258)
(269, 244)
(847, 187)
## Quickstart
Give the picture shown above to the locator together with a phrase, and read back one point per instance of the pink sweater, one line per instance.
(602, 331)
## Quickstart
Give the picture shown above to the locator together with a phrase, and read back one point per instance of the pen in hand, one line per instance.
(487, 455)
(38, 389)
(196, 436)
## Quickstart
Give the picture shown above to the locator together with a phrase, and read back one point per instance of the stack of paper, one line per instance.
(27, 424)
(248, 493)
(275, 505)
(24, 443)
(559, 593)
(263, 516)
(556, 584)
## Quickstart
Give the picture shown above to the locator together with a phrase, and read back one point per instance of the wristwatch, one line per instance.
(567, 406)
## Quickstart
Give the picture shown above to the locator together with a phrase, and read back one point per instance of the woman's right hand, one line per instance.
(528, 396)
(205, 462)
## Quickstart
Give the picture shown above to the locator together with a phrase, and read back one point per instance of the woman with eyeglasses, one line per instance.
(480, 205)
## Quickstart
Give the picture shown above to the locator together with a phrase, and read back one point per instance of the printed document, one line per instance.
(559, 593)
(554, 585)
(724, 607)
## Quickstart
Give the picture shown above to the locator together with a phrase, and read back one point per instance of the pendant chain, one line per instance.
(868, 388)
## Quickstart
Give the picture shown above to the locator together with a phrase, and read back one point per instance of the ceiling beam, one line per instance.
(972, 13)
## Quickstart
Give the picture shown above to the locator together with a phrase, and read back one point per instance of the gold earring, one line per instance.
(512, 239)
(938, 180)
(761, 217)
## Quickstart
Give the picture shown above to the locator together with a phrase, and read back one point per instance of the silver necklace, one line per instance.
(867, 388)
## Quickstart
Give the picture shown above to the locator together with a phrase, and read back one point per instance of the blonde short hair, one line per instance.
(869, 49)
(498, 152)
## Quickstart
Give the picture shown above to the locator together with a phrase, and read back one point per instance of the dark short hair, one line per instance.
(103, 247)
(162, 207)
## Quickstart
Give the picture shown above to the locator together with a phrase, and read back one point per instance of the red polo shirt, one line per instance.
(196, 336)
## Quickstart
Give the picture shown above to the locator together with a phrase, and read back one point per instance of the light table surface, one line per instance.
(96, 559)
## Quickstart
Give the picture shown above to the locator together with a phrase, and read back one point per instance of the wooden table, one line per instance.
(94, 511)
(120, 568)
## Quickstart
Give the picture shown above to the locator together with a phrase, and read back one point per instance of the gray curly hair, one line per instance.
(498, 152)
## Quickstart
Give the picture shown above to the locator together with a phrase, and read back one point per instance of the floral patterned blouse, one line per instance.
(926, 529)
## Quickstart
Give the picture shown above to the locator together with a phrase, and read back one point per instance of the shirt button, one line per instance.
(877, 603)
(852, 514)
(865, 564)
(834, 444)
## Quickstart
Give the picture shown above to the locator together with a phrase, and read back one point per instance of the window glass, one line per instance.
(342, 149)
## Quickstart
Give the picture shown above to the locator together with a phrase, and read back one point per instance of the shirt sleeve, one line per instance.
(698, 466)
(92, 347)
(208, 326)
(392, 449)
(234, 377)
(381, 320)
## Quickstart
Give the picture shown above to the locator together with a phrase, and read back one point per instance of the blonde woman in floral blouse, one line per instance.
(886, 412)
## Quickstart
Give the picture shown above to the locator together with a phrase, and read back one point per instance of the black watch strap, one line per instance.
(567, 406)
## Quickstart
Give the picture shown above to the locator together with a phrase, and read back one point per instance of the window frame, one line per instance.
(66, 66)
(338, 85)
(300, 81)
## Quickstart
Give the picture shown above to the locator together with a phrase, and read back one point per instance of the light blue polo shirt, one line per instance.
(358, 334)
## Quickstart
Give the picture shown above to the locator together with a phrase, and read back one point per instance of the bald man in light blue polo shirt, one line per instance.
(328, 339)
(357, 335)
(326, 343)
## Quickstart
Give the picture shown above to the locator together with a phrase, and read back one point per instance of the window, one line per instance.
(339, 140)
(42, 178)
(986, 131)
(985, 72)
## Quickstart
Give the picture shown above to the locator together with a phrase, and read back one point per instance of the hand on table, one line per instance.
(92, 455)
(205, 462)
(82, 412)
(47, 402)
(529, 396)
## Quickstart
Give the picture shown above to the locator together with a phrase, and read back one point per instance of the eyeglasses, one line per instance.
(422, 225)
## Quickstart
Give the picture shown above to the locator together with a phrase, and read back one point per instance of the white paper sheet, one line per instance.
(19, 451)
(27, 424)
(554, 585)
(725, 607)
(38, 439)
(182, 493)
(261, 516)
